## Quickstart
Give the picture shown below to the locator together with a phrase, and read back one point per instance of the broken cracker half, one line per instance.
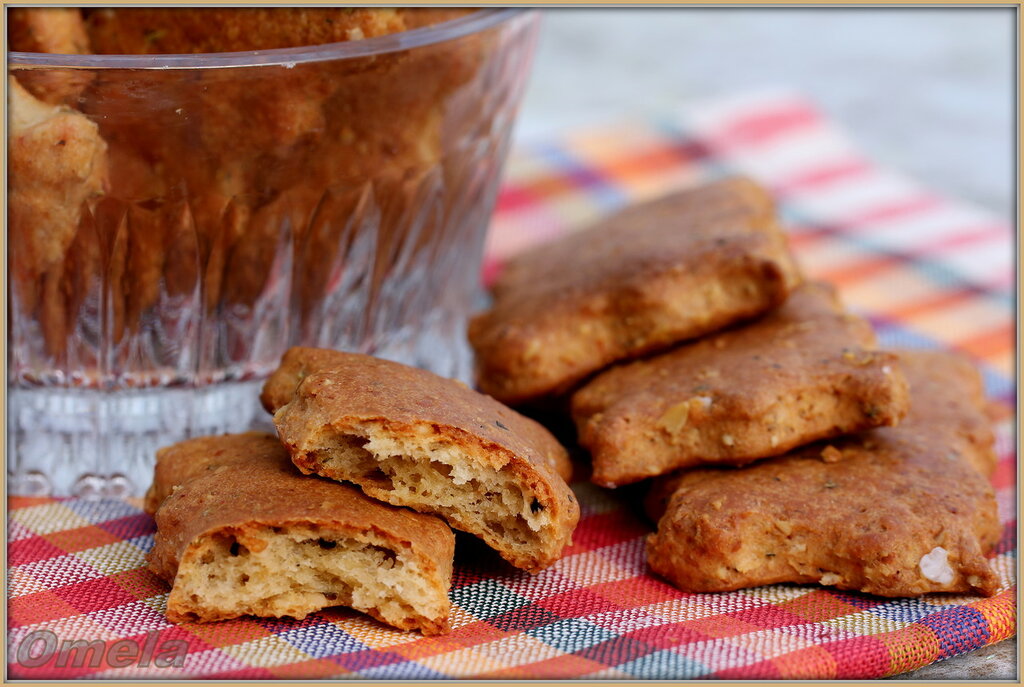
(241, 532)
(412, 438)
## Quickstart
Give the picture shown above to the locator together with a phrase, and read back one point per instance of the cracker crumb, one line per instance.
(674, 419)
(728, 440)
(864, 358)
(935, 566)
(830, 578)
(830, 454)
(532, 349)
(774, 440)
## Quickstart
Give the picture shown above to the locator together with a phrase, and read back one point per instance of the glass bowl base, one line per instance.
(101, 444)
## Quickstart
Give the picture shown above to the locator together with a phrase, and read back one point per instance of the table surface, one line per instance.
(929, 91)
(926, 91)
(996, 662)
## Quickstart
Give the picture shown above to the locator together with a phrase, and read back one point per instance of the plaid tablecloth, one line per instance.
(928, 271)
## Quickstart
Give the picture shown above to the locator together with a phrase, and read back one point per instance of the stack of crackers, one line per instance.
(781, 444)
(353, 503)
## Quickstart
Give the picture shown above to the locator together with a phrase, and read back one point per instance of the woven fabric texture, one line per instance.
(928, 272)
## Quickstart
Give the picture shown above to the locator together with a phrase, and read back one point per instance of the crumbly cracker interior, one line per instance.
(432, 475)
(301, 569)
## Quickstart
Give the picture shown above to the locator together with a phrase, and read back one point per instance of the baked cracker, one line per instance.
(412, 438)
(241, 532)
(804, 372)
(900, 511)
(645, 278)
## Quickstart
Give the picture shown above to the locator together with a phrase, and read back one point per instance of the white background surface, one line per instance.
(926, 91)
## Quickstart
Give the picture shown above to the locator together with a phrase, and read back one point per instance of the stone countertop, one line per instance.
(928, 91)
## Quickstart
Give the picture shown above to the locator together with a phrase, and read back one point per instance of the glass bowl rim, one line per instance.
(452, 29)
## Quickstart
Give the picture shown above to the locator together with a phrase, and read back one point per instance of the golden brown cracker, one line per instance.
(411, 438)
(645, 278)
(804, 372)
(56, 168)
(59, 30)
(905, 511)
(165, 30)
(236, 502)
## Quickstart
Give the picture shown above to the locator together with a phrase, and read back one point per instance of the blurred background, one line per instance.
(926, 91)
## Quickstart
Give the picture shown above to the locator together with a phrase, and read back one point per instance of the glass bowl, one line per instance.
(175, 222)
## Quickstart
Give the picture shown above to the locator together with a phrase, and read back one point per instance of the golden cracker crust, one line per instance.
(239, 483)
(58, 167)
(651, 275)
(367, 134)
(337, 389)
(161, 30)
(857, 513)
(59, 30)
(801, 373)
(299, 362)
